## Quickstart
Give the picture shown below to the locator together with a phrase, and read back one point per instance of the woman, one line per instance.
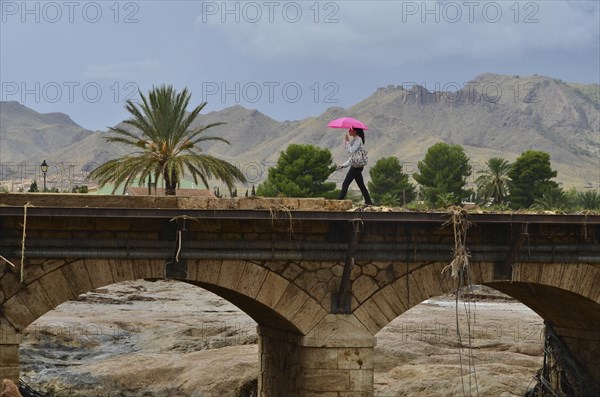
(354, 173)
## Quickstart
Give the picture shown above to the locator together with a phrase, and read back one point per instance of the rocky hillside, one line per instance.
(493, 115)
(26, 134)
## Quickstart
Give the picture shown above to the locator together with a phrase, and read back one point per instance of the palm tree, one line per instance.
(553, 198)
(165, 143)
(589, 200)
(493, 181)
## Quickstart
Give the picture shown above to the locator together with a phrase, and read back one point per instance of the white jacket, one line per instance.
(352, 147)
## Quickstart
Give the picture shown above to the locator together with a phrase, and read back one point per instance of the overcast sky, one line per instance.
(289, 60)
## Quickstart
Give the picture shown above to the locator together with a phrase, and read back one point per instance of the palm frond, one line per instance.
(160, 127)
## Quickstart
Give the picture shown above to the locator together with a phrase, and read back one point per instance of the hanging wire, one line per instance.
(459, 268)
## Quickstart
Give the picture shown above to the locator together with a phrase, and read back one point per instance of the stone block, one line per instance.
(339, 330)
(317, 357)
(192, 202)
(36, 299)
(9, 283)
(527, 272)
(122, 270)
(310, 266)
(361, 380)
(311, 204)
(155, 267)
(34, 271)
(369, 269)
(323, 380)
(337, 270)
(363, 287)
(57, 288)
(355, 358)
(371, 316)
(272, 289)
(389, 303)
(291, 271)
(308, 316)
(309, 283)
(100, 272)
(206, 271)
(417, 292)
(8, 372)
(252, 280)
(475, 272)
(142, 269)
(571, 279)
(8, 334)
(230, 274)
(355, 272)
(9, 355)
(77, 276)
(324, 275)
(17, 312)
(401, 287)
(487, 271)
(428, 281)
(291, 301)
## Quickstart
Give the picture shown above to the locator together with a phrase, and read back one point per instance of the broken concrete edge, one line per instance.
(275, 204)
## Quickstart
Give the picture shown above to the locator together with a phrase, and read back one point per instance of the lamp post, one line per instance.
(44, 168)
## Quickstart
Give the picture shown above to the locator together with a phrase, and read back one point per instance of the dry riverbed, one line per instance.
(169, 338)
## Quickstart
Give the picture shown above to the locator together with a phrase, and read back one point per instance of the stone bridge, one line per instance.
(319, 280)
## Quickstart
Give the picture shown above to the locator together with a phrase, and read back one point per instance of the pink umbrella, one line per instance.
(347, 122)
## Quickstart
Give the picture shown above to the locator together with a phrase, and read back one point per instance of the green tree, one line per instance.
(445, 200)
(80, 189)
(530, 176)
(33, 187)
(166, 145)
(389, 184)
(301, 171)
(553, 198)
(444, 170)
(492, 184)
(589, 200)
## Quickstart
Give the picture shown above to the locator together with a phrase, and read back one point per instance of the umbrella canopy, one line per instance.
(347, 122)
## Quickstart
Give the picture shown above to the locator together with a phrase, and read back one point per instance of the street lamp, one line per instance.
(44, 168)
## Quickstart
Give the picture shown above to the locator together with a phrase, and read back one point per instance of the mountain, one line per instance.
(492, 115)
(25, 133)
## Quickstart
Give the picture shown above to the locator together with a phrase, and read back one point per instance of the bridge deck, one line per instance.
(282, 228)
(69, 205)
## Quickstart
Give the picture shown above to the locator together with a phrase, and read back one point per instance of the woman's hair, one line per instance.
(361, 133)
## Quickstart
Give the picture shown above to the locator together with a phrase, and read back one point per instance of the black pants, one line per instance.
(355, 174)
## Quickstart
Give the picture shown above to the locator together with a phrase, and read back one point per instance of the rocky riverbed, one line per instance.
(169, 338)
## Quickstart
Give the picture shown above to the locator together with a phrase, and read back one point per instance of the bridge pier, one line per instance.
(333, 360)
(10, 341)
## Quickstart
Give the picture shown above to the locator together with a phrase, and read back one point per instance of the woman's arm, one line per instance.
(353, 145)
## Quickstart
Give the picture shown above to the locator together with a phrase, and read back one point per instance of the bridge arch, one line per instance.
(264, 295)
(284, 312)
(546, 288)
